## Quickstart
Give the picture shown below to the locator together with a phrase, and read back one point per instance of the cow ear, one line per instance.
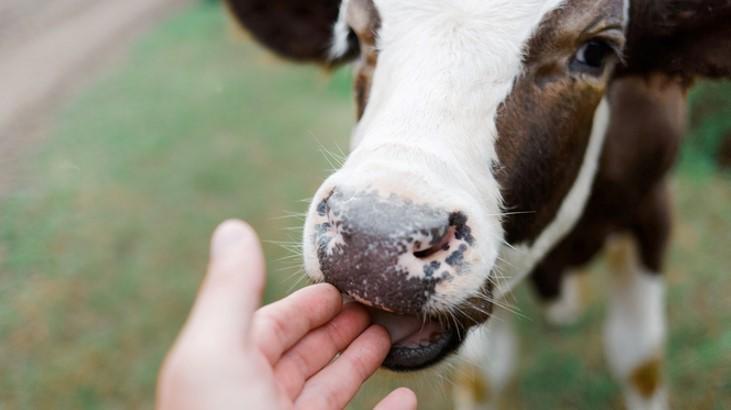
(300, 30)
(686, 37)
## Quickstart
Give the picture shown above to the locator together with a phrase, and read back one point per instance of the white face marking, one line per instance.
(519, 261)
(428, 131)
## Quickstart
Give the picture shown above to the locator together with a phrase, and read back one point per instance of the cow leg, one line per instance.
(562, 292)
(635, 327)
(559, 280)
(486, 364)
(568, 308)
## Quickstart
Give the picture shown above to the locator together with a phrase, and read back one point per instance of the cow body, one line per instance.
(628, 215)
(629, 194)
(498, 141)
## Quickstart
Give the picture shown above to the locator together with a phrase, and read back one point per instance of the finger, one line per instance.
(280, 325)
(399, 399)
(335, 385)
(318, 348)
(232, 288)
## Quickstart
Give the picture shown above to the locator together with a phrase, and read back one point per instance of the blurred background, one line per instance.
(129, 130)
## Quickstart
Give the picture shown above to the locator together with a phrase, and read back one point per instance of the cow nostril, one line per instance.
(438, 245)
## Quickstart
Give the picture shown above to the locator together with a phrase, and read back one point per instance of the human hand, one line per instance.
(230, 355)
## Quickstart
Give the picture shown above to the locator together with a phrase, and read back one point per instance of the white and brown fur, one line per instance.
(550, 163)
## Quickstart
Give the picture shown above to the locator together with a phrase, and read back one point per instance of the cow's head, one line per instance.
(479, 127)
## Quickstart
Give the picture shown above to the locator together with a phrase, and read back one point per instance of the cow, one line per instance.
(498, 141)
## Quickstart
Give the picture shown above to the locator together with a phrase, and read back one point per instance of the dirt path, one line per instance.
(51, 48)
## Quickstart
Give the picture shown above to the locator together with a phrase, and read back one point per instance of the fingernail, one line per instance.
(227, 236)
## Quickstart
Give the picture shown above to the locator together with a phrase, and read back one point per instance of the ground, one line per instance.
(51, 48)
(104, 243)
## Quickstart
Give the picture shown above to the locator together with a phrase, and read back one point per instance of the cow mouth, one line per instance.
(417, 342)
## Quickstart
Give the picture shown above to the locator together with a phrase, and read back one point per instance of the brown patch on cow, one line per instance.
(652, 227)
(679, 37)
(545, 123)
(300, 30)
(724, 152)
(629, 195)
(620, 255)
(469, 378)
(363, 17)
(584, 287)
(647, 378)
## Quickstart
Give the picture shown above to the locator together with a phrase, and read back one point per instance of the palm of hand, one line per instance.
(231, 355)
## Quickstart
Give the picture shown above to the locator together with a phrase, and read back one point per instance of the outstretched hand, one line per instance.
(231, 354)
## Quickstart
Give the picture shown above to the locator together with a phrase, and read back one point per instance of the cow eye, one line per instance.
(591, 57)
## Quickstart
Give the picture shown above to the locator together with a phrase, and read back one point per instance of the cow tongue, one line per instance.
(408, 331)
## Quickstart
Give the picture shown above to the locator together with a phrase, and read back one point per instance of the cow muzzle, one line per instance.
(402, 259)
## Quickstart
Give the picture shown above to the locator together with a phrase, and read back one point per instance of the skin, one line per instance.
(233, 354)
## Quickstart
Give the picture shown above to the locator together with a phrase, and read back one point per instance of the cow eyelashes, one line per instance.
(592, 57)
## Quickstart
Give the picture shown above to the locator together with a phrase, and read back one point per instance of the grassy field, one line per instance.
(104, 242)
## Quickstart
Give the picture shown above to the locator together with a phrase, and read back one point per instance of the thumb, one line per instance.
(399, 399)
(233, 287)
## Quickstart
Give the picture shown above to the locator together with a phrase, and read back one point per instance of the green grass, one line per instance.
(103, 245)
(710, 114)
